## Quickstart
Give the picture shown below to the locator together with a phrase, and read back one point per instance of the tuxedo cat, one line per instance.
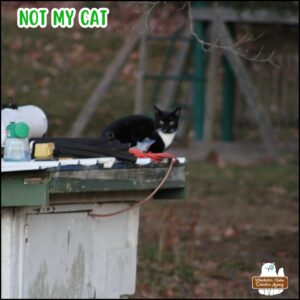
(143, 133)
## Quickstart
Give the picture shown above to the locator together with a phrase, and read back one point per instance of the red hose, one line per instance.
(155, 156)
(141, 202)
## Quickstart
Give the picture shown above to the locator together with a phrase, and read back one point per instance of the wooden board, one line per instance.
(115, 180)
(34, 188)
(250, 94)
(15, 191)
(111, 73)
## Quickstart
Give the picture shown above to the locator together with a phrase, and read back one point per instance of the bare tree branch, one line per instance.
(147, 12)
(235, 48)
(206, 46)
(183, 6)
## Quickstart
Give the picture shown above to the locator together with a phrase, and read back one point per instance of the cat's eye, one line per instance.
(171, 123)
(161, 122)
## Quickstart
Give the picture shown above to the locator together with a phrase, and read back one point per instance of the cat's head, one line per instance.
(166, 121)
(268, 269)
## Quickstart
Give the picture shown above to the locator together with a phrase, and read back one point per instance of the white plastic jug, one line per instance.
(30, 114)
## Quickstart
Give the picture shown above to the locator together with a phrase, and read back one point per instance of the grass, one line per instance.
(209, 245)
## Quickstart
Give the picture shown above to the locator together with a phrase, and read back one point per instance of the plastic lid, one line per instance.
(21, 130)
(10, 130)
(18, 130)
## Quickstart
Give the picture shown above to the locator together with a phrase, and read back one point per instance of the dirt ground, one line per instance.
(232, 221)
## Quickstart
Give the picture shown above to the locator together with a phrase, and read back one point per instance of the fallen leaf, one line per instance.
(170, 293)
(278, 190)
(229, 232)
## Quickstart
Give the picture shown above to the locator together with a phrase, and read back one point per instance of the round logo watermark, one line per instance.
(270, 283)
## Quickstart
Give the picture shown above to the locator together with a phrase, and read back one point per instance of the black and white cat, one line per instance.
(144, 133)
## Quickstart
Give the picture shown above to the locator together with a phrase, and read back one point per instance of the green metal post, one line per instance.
(199, 85)
(228, 103)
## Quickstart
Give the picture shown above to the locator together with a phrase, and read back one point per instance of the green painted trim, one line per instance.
(73, 185)
(115, 180)
(199, 86)
(184, 77)
(228, 95)
(176, 193)
(168, 38)
(15, 193)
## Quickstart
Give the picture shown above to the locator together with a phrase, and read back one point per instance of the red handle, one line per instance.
(154, 156)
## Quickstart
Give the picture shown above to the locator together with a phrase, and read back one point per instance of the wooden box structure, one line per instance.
(51, 246)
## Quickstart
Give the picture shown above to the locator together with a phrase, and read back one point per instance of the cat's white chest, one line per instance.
(167, 138)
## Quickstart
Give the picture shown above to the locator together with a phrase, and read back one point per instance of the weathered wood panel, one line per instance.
(115, 180)
(34, 188)
(68, 254)
(278, 89)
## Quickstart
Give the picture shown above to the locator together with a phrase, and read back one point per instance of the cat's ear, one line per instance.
(157, 111)
(177, 111)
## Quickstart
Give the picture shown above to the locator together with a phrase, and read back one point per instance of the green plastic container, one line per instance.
(16, 147)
